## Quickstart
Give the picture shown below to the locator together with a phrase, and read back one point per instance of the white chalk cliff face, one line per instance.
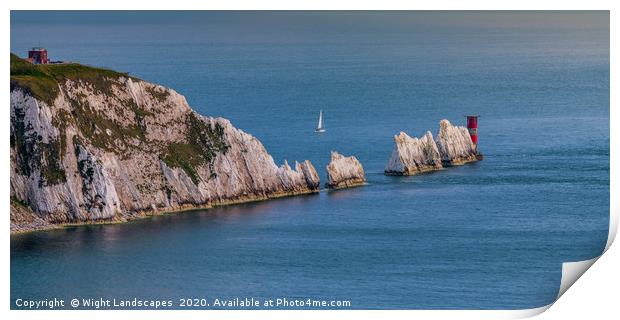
(111, 147)
(452, 146)
(344, 172)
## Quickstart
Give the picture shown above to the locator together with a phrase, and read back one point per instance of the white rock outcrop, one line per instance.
(121, 147)
(344, 172)
(412, 155)
(452, 146)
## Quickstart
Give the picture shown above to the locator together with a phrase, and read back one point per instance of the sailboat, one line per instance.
(320, 127)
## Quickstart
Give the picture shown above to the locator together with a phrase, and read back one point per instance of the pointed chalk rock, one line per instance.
(344, 172)
(454, 144)
(413, 155)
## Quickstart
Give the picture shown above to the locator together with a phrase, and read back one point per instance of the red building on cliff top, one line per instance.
(38, 55)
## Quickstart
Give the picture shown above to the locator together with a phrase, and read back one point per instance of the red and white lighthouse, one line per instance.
(472, 126)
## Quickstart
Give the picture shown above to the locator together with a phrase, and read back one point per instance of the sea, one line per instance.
(486, 235)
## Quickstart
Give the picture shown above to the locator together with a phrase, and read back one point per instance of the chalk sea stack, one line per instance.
(344, 172)
(90, 144)
(452, 146)
(412, 155)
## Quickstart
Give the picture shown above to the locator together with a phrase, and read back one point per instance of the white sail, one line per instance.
(320, 128)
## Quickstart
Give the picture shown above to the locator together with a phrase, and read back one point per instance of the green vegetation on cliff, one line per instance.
(33, 154)
(41, 80)
(200, 147)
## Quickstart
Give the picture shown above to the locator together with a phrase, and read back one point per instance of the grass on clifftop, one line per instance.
(201, 144)
(41, 80)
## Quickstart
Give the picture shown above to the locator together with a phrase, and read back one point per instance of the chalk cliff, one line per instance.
(344, 172)
(91, 144)
(452, 146)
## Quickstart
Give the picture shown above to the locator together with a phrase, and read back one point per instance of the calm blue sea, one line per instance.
(490, 235)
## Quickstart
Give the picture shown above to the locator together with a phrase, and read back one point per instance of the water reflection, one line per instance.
(109, 236)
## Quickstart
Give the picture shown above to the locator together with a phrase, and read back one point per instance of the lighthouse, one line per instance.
(472, 127)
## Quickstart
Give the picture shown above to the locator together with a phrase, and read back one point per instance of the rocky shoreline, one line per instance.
(23, 220)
